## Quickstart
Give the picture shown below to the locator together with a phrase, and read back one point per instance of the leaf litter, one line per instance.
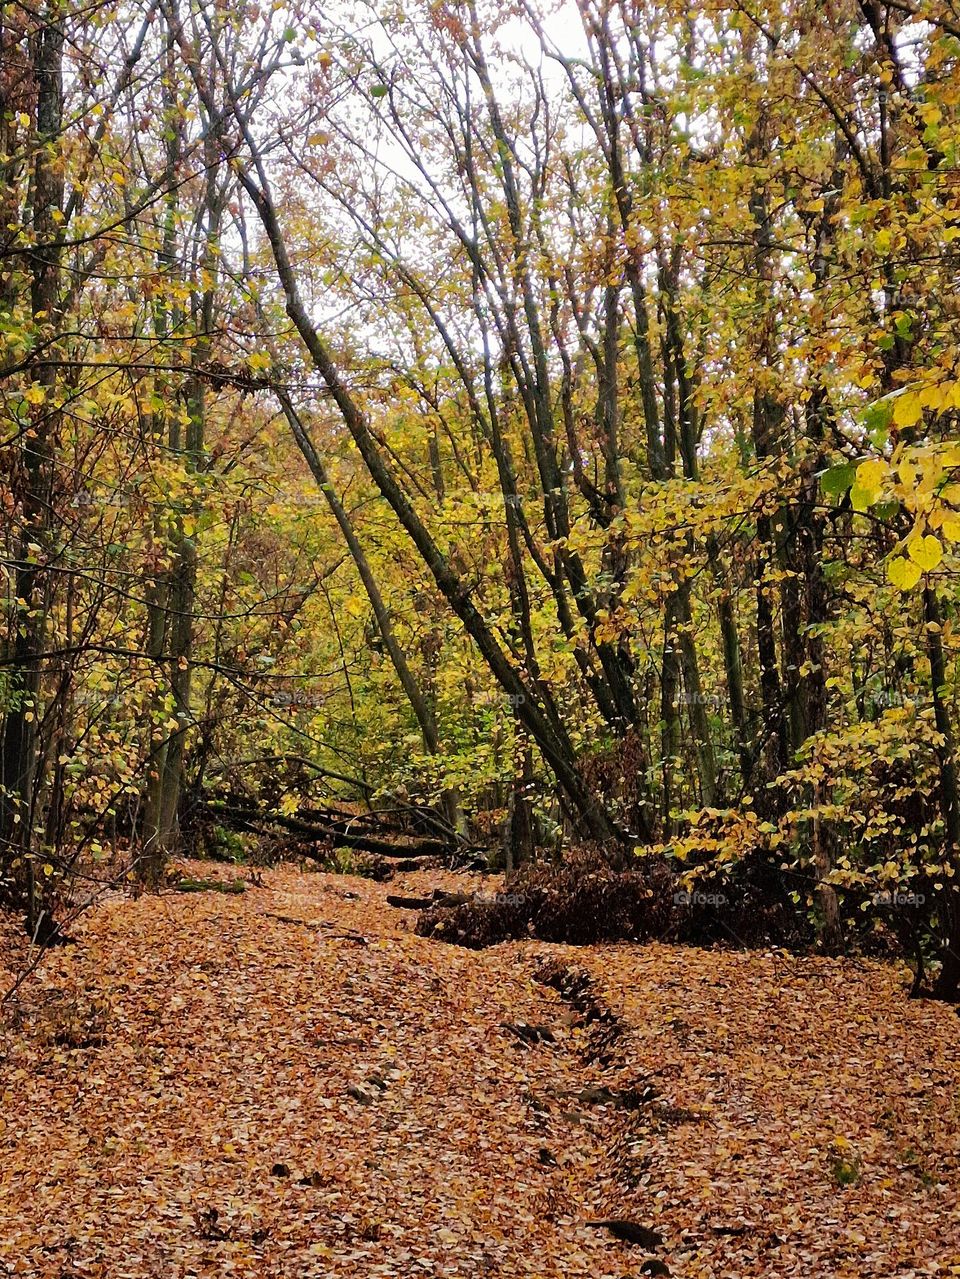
(289, 1082)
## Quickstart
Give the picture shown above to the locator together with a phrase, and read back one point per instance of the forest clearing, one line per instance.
(479, 662)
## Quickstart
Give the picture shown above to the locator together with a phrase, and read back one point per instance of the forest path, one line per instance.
(288, 1082)
(204, 1085)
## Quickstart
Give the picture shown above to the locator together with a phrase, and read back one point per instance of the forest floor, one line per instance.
(289, 1082)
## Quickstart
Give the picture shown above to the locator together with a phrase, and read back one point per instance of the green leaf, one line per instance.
(838, 479)
(876, 421)
(886, 510)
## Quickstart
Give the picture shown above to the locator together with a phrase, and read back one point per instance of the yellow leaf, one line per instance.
(907, 409)
(950, 527)
(934, 397)
(872, 473)
(902, 573)
(926, 552)
(862, 499)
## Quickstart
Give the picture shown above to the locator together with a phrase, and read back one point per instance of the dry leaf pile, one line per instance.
(288, 1082)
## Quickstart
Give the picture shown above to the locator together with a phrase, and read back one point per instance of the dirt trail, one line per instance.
(288, 1082)
(207, 1051)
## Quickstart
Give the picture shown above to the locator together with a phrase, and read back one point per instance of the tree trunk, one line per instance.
(19, 749)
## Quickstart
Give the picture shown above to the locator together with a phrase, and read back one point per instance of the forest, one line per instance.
(480, 537)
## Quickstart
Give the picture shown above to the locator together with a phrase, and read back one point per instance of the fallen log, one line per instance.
(407, 864)
(250, 817)
(410, 821)
(438, 898)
